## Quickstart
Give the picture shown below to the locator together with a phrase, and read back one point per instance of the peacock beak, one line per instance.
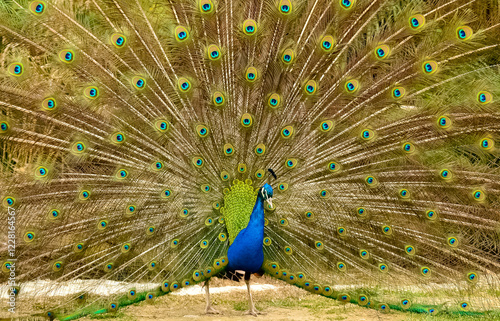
(270, 201)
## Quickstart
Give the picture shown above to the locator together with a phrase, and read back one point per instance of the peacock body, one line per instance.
(136, 138)
(246, 250)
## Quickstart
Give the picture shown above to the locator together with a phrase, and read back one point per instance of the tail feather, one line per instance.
(124, 124)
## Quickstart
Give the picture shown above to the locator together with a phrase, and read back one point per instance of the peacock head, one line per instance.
(266, 193)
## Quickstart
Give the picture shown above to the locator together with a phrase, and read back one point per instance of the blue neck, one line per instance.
(257, 217)
(246, 252)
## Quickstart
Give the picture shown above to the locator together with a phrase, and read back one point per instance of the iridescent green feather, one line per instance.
(239, 201)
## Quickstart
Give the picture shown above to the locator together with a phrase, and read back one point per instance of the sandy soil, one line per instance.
(278, 300)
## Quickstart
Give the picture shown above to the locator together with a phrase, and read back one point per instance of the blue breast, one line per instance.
(246, 252)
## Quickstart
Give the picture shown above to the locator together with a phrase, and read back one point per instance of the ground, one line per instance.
(280, 302)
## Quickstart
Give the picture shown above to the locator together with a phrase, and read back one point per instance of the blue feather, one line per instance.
(246, 252)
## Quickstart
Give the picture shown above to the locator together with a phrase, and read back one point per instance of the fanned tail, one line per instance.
(123, 124)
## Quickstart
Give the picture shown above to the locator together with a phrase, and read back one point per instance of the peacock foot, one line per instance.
(254, 312)
(210, 310)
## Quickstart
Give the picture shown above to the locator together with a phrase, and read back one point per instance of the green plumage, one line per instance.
(125, 127)
(238, 204)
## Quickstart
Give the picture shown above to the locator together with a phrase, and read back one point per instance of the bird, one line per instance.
(346, 147)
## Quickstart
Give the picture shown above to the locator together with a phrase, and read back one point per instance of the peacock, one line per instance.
(347, 147)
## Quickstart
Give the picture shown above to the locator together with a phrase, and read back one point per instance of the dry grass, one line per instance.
(287, 303)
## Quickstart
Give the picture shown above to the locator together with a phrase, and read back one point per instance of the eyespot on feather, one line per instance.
(444, 122)
(327, 43)
(218, 99)
(484, 97)
(202, 130)
(310, 87)
(67, 56)
(242, 168)
(91, 92)
(259, 174)
(198, 162)
(206, 6)
(246, 120)
(288, 56)
(398, 92)
(429, 67)
(347, 4)
(49, 104)
(249, 27)
(15, 69)
(408, 148)
(371, 181)
(287, 132)
(382, 52)
(181, 34)
(138, 82)
(351, 86)
(285, 7)
(213, 52)
(416, 22)
(118, 40)
(37, 7)
(464, 33)
(274, 100)
(290, 163)
(367, 134)
(326, 126)
(487, 143)
(260, 149)
(251, 74)
(184, 84)
(228, 149)
(78, 147)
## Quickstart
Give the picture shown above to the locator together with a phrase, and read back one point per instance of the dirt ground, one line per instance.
(285, 302)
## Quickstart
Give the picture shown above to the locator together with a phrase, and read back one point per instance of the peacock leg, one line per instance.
(209, 309)
(252, 309)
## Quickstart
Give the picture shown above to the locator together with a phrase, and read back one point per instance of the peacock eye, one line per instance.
(382, 52)
(346, 4)
(68, 56)
(15, 69)
(287, 132)
(4, 126)
(118, 40)
(430, 67)
(214, 52)
(351, 86)
(251, 74)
